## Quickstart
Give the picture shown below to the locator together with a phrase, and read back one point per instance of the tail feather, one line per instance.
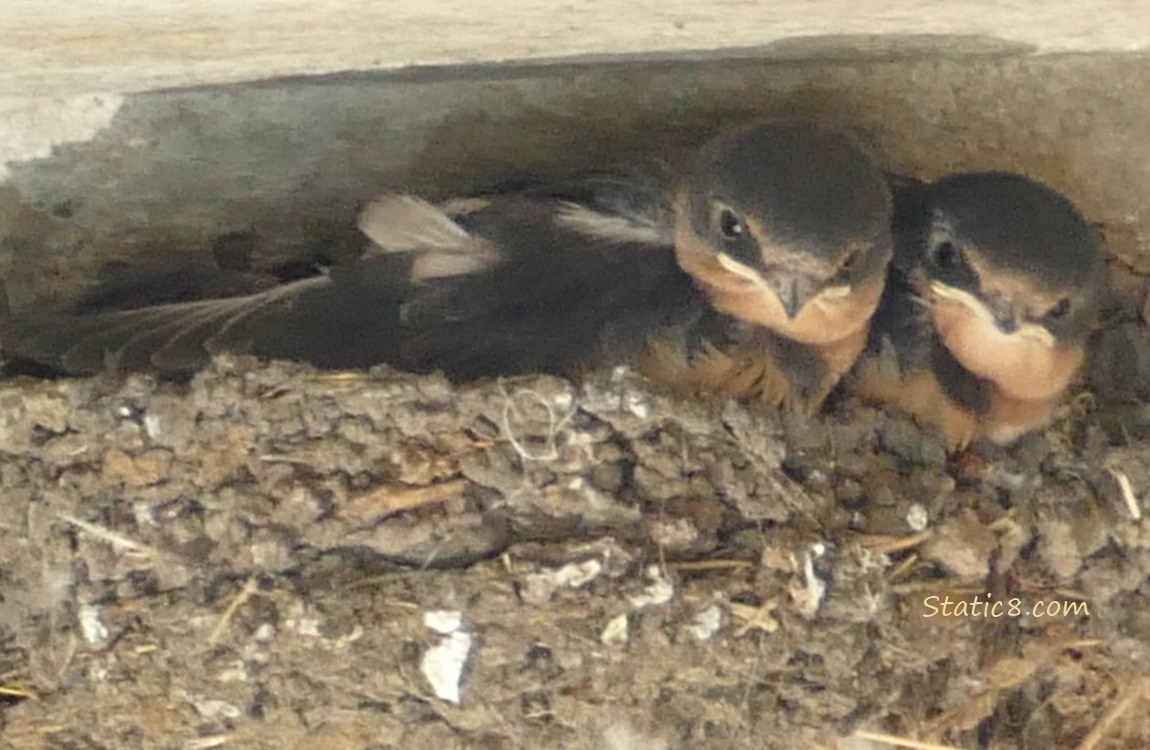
(167, 337)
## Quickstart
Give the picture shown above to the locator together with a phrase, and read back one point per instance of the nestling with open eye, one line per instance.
(752, 273)
(785, 229)
(996, 285)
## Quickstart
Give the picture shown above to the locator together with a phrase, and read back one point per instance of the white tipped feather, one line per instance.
(440, 265)
(403, 223)
(613, 228)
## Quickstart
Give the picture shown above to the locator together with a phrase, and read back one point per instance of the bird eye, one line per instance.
(849, 258)
(728, 223)
(1060, 310)
(946, 255)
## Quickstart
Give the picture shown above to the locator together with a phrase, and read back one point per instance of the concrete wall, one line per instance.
(148, 128)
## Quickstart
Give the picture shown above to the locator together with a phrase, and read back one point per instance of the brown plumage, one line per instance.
(761, 262)
(995, 288)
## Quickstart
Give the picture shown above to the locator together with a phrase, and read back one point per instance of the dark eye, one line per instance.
(946, 255)
(1060, 310)
(849, 259)
(730, 225)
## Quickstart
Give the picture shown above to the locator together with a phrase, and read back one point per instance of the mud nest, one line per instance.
(265, 557)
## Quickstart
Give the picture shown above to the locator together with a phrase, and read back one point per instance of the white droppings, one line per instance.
(617, 631)
(578, 574)
(443, 621)
(237, 672)
(143, 514)
(538, 587)
(310, 627)
(307, 625)
(809, 595)
(443, 663)
(638, 404)
(917, 518)
(216, 709)
(620, 372)
(92, 625)
(564, 400)
(660, 591)
(154, 426)
(706, 623)
(673, 532)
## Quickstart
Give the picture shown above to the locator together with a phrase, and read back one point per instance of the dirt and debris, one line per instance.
(270, 556)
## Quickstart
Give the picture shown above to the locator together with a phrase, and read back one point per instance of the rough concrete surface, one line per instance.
(59, 47)
(281, 165)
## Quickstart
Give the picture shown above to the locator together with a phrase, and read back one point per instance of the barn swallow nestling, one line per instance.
(787, 233)
(756, 269)
(996, 285)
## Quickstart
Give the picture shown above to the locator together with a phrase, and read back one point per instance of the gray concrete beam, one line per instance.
(103, 165)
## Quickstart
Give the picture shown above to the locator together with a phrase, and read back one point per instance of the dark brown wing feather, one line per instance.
(511, 285)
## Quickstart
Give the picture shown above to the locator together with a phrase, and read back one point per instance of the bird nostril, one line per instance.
(1005, 313)
(1007, 323)
(796, 298)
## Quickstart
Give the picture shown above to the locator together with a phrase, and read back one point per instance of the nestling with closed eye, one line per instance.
(996, 286)
(753, 273)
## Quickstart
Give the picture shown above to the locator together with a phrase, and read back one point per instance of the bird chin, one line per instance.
(1028, 364)
(821, 322)
(836, 314)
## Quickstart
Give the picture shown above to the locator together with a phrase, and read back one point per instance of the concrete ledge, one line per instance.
(64, 47)
(102, 159)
